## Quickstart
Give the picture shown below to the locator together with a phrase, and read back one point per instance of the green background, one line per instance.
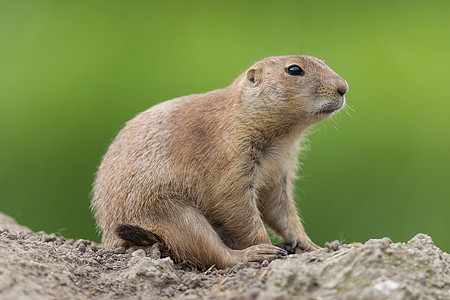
(72, 72)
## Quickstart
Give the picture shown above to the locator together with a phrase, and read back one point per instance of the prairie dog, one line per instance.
(201, 174)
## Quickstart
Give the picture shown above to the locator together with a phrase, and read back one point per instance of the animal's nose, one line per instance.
(342, 87)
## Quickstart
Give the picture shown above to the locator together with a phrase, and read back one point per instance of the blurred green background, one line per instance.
(72, 72)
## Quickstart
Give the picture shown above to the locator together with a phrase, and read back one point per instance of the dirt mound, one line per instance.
(43, 266)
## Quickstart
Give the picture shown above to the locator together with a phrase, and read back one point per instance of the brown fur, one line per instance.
(204, 172)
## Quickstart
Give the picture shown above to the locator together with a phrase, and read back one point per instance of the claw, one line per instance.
(282, 252)
(291, 245)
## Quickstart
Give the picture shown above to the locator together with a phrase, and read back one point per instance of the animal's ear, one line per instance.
(254, 76)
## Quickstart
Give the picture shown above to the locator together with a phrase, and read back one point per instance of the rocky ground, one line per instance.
(48, 266)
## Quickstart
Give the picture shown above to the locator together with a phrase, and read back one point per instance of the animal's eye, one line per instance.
(295, 70)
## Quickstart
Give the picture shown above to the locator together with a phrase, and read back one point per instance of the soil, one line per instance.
(49, 266)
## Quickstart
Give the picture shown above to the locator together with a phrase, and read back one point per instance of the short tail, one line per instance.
(137, 235)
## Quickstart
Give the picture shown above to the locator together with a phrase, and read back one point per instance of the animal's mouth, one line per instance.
(332, 107)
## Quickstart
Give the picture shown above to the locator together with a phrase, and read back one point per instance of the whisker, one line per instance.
(346, 111)
(349, 107)
(334, 123)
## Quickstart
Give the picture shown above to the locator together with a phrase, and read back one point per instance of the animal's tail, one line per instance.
(137, 235)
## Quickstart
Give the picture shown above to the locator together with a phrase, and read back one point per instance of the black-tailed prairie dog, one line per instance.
(201, 174)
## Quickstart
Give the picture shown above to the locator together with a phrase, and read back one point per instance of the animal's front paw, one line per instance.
(298, 246)
(260, 253)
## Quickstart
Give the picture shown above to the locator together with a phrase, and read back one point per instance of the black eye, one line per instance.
(295, 70)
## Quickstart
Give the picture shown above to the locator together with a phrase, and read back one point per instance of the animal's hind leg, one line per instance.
(189, 237)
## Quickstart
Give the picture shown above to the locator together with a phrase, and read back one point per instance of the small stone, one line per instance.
(95, 247)
(387, 240)
(81, 248)
(102, 252)
(50, 238)
(182, 288)
(160, 271)
(170, 291)
(132, 249)
(78, 243)
(12, 236)
(333, 246)
(190, 291)
(92, 261)
(421, 240)
(138, 253)
(120, 250)
(265, 263)
(384, 242)
(155, 253)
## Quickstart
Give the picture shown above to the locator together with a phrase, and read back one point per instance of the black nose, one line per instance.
(342, 87)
